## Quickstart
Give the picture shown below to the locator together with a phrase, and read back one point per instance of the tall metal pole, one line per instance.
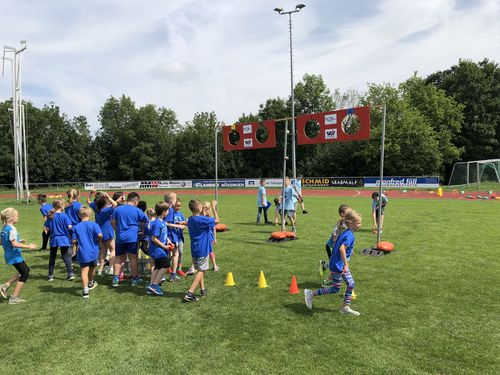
(294, 166)
(382, 147)
(216, 168)
(285, 158)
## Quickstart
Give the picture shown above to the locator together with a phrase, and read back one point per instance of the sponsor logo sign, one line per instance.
(223, 183)
(333, 182)
(270, 182)
(330, 133)
(403, 182)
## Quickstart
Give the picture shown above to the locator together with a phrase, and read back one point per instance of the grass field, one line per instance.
(430, 308)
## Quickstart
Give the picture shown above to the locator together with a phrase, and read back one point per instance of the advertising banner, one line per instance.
(333, 182)
(136, 185)
(223, 183)
(270, 182)
(403, 182)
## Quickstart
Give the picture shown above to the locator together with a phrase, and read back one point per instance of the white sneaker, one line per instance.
(308, 296)
(349, 311)
(16, 300)
(3, 290)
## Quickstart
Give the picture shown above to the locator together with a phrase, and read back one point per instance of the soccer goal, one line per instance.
(475, 172)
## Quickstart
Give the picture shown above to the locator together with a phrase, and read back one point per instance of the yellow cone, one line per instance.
(230, 279)
(262, 280)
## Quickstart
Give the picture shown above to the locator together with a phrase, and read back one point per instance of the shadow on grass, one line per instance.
(301, 309)
(310, 285)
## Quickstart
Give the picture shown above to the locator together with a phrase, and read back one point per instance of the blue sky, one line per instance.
(230, 56)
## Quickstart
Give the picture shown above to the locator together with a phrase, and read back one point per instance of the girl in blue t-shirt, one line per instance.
(59, 225)
(44, 210)
(339, 266)
(12, 246)
(104, 208)
(72, 209)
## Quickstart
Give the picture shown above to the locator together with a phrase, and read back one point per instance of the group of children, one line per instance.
(157, 232)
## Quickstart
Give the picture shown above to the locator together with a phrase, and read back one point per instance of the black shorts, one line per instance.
(162, 263)
(23, 270)
(89, 264)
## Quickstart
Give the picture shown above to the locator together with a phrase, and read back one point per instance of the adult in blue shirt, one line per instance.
(128, 220)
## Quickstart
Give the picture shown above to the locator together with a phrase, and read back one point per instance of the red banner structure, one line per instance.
(336, 126)
(244, 136)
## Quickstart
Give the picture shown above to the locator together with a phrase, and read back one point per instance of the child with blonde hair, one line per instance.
(87, 234)
(72, 209)
(12, 246)
(207, 211)
(104, 206)
(170, 198)
(339, 266)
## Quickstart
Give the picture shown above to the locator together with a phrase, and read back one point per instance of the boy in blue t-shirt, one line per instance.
(44, 210)
(297, 186)
(12, 246)
(158, 248)
(128, 220)
(339, 266)
(201, 233)
(289, 202)
(87, 235)
(262, 202)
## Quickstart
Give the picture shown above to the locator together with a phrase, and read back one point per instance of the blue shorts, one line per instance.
(89, 264)
(126, 248)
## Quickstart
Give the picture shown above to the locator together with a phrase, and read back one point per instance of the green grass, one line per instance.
(430, 308)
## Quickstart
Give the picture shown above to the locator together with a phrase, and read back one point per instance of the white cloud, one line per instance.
(231, 56)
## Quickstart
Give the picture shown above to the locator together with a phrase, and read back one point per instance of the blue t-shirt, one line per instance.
(261, 196)
(288, 201)
(103, 219)
(59, 231)
(93, 206)
(12, 254)
(87, 235)
(169, 219)
(201, 230)
(72, 211)
(158, 228)
(178, 218)
(127, 219)
(375, 203)
(45, 209)
(347, 239)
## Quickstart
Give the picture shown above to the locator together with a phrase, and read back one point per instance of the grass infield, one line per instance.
(430, 308)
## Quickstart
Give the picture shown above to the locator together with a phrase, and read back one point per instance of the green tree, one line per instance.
(477, 87)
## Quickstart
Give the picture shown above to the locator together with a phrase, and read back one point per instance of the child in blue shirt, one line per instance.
(59, 225)
(12, 246)
(45, 208)
(201, 233)
(297, 186)
(180, 222)
(289, 202)
(158, 248)
(72, 209)
(104, 208)
(87, 235)
(128, 220)
(376, 202)
(262, 202)
(339, 266)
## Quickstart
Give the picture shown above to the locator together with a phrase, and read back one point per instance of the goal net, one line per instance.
(475, 172)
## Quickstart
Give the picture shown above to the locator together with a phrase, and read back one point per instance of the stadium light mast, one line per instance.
(18, 123)
(280, 11)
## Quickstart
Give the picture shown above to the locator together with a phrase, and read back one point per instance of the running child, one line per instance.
(59, 225)
(45, 208)
(12, 246)
(158, 249)
(339, 227)
(339, 266)
(87, 235)
(200, 231)
(127, 220)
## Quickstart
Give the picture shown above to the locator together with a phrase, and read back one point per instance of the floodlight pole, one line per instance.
(382, 147)
(280, 11)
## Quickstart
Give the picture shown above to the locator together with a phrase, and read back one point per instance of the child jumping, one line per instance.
(339, 266)
(12, 246)
(87, 235)
(200, 231)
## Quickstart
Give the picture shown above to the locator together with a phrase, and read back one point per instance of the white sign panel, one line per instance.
(270, 182)
(331, 134)
(331, 119)
(248, 142)
(247, 129)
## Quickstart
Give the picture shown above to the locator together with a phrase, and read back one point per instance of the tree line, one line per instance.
(432, 122)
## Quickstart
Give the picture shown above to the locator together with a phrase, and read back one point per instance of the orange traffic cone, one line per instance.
(294, 289)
